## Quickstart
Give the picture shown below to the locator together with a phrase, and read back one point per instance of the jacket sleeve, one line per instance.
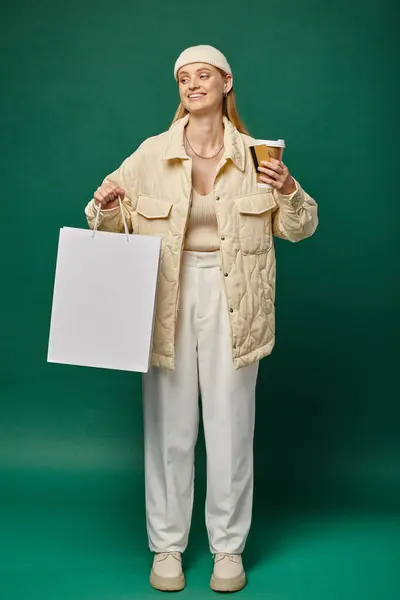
(296, 216)
(126, 177)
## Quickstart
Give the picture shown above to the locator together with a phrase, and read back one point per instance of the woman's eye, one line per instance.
(204, 75)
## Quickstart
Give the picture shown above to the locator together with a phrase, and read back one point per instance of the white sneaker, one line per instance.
(166, 574)
(228, 574)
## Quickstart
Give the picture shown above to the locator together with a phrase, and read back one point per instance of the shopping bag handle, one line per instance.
(96, 223)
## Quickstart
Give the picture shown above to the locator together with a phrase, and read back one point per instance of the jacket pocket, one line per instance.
(152, 215)
(254, 222)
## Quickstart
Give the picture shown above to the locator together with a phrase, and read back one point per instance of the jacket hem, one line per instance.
(164, 362)
(254, 356)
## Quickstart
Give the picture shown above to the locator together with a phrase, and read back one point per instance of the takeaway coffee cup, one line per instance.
(265, 150)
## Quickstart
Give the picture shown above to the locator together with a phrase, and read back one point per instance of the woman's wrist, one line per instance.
(108, 206)
(289, 188)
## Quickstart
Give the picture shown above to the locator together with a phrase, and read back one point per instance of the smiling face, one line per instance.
(201, 87)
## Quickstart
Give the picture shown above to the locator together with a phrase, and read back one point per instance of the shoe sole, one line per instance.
(228, 585)
(167, 584)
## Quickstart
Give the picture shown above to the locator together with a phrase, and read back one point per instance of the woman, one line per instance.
(195, 186)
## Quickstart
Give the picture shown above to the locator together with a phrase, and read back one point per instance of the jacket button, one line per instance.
(222, 238)
(226, 274)
(217, 198)
(231, 310)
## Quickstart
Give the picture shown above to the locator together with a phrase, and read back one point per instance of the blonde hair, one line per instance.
(229, 110)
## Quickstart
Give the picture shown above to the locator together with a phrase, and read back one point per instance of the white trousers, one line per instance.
(171, 418)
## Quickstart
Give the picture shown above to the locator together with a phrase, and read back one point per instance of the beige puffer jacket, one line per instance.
(157, 181)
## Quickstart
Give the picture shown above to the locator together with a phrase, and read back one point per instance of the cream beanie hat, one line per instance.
(203, 54)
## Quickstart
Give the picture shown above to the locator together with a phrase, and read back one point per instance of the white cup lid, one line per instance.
(272, 143)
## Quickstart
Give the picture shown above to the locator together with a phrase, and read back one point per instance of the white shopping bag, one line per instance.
(104, 299)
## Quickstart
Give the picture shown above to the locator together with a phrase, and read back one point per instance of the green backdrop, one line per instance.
(83, 83)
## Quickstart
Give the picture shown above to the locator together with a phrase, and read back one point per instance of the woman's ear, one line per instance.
(228, 84)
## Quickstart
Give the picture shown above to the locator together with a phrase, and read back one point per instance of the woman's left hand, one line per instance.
(278, 176)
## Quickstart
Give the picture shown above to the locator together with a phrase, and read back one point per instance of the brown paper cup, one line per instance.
(265, 150)
(276, 152)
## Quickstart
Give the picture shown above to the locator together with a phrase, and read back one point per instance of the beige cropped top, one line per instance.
(202, 231)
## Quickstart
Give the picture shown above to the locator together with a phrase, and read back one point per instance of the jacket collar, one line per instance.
(234, 145)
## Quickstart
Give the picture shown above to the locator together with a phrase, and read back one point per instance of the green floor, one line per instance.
(82, 537)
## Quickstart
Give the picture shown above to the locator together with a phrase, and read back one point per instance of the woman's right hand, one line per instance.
(107, 195)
